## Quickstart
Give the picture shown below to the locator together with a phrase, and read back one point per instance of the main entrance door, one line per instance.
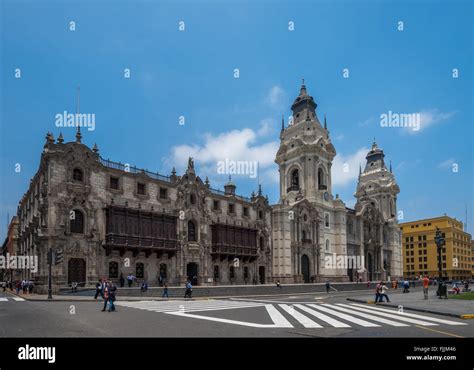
(77, 271)
(305, 268)
(192, 272)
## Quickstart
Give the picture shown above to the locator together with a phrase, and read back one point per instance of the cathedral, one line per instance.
(109, 219)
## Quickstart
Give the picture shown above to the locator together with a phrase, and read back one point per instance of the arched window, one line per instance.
(295, 179)
(77, 175)
(216, 272)
(113, 270)
(327, 245)
(192, 198)
(140, 270)
(191, 231)
(321, 179)
(76, 222)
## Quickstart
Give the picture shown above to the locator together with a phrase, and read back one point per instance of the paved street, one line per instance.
(306, 315)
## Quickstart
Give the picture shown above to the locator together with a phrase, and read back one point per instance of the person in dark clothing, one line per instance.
(328, 286)
(112, 294)
(165, 291)
(189, 290)
(122, 281)
(98, 289)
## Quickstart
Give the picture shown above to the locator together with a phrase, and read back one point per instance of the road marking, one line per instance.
(370, 317)
(302, 319)
(428, 318)
(323, 317)
(439, 331)
(18, 299)
(344, 316)
(278, 319)
(391, 316)
(3, 299)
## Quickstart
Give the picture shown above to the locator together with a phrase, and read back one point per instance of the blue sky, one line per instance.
(191, 74)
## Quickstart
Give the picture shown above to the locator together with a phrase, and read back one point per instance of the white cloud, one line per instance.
(447, 163)
(345, 168)
(267, 127)
(275, 96)
(429, 118)
(235, 145)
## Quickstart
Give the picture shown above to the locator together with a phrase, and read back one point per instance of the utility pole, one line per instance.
(50, 263)
(440, 242)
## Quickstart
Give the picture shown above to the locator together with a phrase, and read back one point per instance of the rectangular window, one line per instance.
(216, 205)
(326, 220)
(246, 211)
(114, 182)
(163, 193)
(231, 208)
(140, 188)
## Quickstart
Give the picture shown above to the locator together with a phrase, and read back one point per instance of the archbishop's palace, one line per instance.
(111, 219)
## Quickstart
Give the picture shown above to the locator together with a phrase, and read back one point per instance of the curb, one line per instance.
(465, 316)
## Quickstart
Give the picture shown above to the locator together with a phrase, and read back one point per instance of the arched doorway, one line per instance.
(370, 265)
(261, 274)
(305, 268)
(192, 272)
(76, 271)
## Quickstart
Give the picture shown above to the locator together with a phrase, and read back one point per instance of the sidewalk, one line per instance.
(415, 301)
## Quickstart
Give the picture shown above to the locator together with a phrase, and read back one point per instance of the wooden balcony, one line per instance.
(137, 244)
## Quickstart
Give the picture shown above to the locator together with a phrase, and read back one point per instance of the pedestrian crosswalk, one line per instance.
(288, 315)
(18, 299)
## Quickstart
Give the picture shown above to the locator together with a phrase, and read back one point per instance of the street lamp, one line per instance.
(50, 263)
(440, 242)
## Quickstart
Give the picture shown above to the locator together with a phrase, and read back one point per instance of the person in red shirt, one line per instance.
(426, 283)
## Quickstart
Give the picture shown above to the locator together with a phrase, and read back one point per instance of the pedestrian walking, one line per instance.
(328, 286)
(112, 293)
(98, 289)
(121, 281)
(278, 284)
(189, 290)
(130, 279)
(4, 286)
(406, 286)
(106, 296)
(426, 283)
(165, 291)
(383, 292)
(377, 292)
(74, 287)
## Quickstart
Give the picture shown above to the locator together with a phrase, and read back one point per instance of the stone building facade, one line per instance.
(110, 219)
(315, 236)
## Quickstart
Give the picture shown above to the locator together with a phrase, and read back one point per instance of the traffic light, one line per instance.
(58, 257)
(50, 253)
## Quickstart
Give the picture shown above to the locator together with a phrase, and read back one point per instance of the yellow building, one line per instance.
(420, 255)
(472, 257)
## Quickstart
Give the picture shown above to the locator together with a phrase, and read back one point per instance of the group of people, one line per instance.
(108, 291)
(23, 286)
(381, 292)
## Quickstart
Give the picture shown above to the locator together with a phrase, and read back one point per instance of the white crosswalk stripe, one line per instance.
(304, 320)
(403, 314)
(3, 299)
(308, 315)
(367, 316)
(392, 316)
(18, 299)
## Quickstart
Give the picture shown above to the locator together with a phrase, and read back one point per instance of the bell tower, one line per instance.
(305, 154)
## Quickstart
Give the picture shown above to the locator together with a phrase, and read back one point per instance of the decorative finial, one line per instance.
(390, 166)
(173, 171)
(207, 181)
(51, 138)
(302, 81)
(282, 123)
(60, 138)
(360, 169)
(325, 124)
(95, 149)
(78, 135)
(259, 189)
